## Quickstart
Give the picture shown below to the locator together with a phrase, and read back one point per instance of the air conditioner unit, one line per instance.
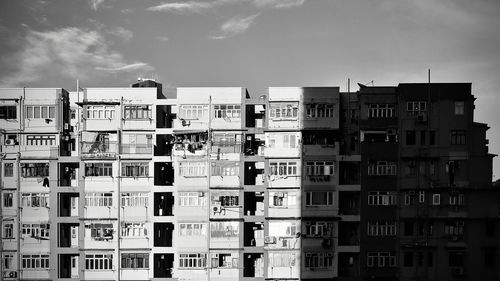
(269, 240)
(391, 131)
(422, 117)
(66, 126)
(10, 274)
(10, 142)
(458, 270)
(201, 194)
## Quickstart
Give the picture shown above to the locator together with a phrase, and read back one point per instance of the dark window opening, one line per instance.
(163, 234)
(164, 173)
(254, 203)
(163, 204)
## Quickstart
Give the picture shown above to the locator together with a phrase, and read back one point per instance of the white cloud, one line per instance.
(278, 3)
(70, 52)
(162, 38)
(121, 33)
(94, 4)
(138, 66)
(183, 7)
(234, 26)
(126, 11)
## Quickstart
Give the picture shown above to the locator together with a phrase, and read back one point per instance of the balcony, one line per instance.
(136, 149)
(96, 150)
(190, 144)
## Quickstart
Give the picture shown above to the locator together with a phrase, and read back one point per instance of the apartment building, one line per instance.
(300, 183)
(428, 208)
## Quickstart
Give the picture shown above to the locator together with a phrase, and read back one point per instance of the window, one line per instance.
(38, 231)
(319, 228)
(225, 199)
(457, 199)
(192, 261)
(8, 170)
(287, 111)
(422, 137)
(320, 168)
(319, 259)
(8, 112)
(98, 199)
(224, 229)
(382, 228)
(320, 110)
(34, 170)
(381, 259)
(421, 197)
(134, 199)
(318, 138)
(40, 112)
(193, 112)
(8, 230)
(137, 143)
(130, 229)
(409, 228)
(455, 258)
(489, 229)
(381, 111)
(490, 257)
(135, 260)
(432, 137)
(458, 137)
(277, 259)
(436, 199)
(99, 231)
(410, 138)
(319, 198)
(408, 259)
(454, 228)
(282, 140)
(8, 261)
(382, 198)
(409, 197)
(459, 108)
(99, 262)
(98, 169)
(228, 169)
(227, 111)
(283, 168)
(73, 114)
(382, 168)
(40, 140)
(416, 107)
(35, 200)
(8, 200)
(35, 261)
(100, 112)
(193, 169)
(283, 229)
(224, 261)
(135, 169)
(192, 229)
(282, 199)
(191, 199)
(137, 112)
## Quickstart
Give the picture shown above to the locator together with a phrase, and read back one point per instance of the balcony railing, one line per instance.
(136, 148)
(99, 150)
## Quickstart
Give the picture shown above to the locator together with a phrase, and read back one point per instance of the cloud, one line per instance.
(121, 33)
(138, 66)
(162, 38)
(66, 53)
(126, 11)
(235, 26)
(278, 4)
(94, 4)
(184, 7)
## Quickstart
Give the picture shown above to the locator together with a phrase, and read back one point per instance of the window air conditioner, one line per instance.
(10, 274)
(422, 117)
(269, 240)
(10, 142)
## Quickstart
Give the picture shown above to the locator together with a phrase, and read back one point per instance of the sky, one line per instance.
(255, 44)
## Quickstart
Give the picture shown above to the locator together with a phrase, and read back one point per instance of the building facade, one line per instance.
(302, 183)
